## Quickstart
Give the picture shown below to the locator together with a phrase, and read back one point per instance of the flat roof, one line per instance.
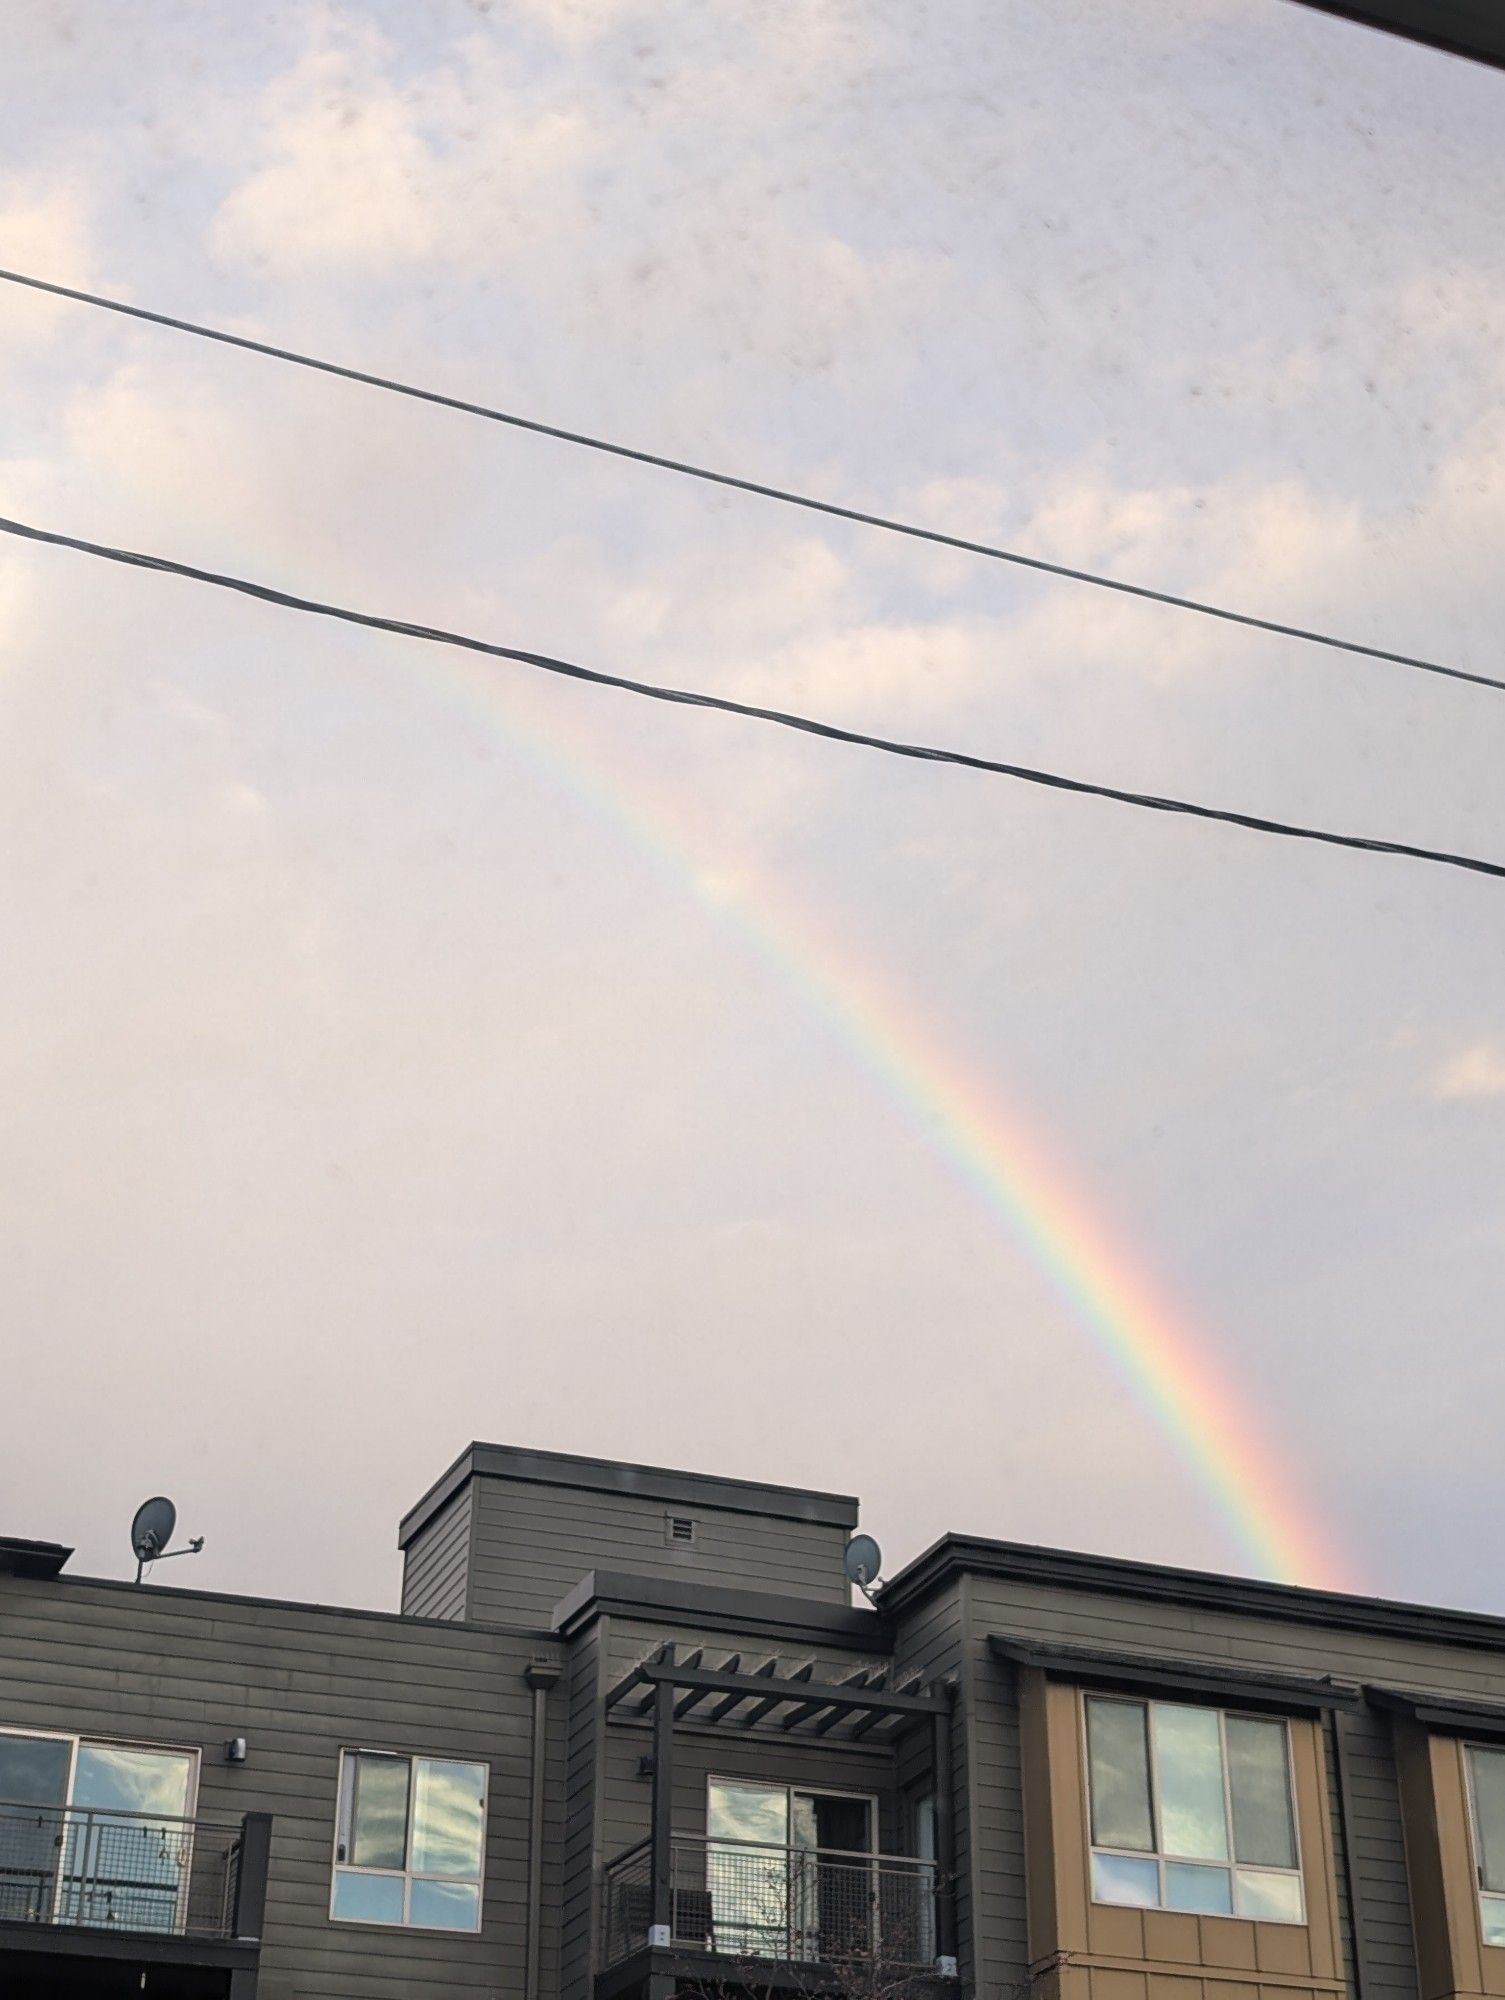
(1249, 1597)
(645, 1482)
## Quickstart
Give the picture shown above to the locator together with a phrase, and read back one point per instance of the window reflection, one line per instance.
(411, 1841)
(378, 1812)
(447, 1817)
(1183, 1800)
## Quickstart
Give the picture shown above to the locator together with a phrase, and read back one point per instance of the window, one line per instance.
(409, 1841)
(94, 1833)
(1486, 1791)
(1191, 1810)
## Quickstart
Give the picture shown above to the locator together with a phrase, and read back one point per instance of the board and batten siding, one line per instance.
(301, 1683)
(1381, 1947)
(532, 1543)
(436, 1563)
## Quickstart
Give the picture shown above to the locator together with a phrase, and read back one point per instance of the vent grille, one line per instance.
(679, 1530)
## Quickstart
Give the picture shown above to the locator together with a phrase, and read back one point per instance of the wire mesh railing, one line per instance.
(123, 1871)
(743, 1900)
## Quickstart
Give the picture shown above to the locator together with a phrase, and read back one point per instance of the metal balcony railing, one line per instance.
(798, 1905)
(120, 1871)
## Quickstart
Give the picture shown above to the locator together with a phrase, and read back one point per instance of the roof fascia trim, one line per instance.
(169, 1593)
(1150, 1674)
(20, 1557)
(1441, 1713)
(1250, 1597)
(643, 1482)
(659, 1600)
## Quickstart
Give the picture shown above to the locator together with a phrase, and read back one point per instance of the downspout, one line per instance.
(540, 1675)
(1349, 1844)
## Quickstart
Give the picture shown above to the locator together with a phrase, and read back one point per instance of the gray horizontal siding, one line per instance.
(300, 1684)
(532, 1544)
(436, 1564)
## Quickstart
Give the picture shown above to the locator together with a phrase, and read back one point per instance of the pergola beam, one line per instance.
(772, 1689)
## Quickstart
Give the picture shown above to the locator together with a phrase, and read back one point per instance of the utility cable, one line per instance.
(994, 551)
(782, 718)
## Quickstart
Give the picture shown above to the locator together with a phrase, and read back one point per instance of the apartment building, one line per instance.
(629, 1737)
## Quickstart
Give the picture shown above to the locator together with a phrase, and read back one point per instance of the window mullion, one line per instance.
(1227, 1798)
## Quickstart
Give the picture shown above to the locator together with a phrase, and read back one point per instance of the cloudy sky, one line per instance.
(395, 1051)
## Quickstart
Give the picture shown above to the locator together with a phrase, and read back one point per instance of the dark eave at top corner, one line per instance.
(1250, 1597)
(1474, 29)
(659, 1483)
(19, 1557)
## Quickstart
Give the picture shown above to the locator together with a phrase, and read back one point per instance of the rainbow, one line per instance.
(1007, 1166)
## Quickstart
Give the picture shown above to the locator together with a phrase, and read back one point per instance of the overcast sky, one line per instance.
(384, 1060)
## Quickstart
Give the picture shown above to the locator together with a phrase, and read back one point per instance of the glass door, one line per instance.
(789, 1871)
(33, 1792)
(832, 1881)
(747, 1868)
(129, 1848)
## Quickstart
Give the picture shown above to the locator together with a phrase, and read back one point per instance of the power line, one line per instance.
(994, 551)
(783, 718)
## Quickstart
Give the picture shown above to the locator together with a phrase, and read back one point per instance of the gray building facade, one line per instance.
(582, 1764)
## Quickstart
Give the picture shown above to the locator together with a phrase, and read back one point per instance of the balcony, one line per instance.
(761, 1905)
(710, 1907)
(128, 1891)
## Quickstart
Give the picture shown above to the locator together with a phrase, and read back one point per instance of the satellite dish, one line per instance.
(152, 1528)
(862, 1561)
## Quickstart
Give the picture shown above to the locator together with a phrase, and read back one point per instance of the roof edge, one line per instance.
(645, 1482)
(1453, 30)
(1167, 1674)
(20, 1557)
(714, 1607)
(1119, 1576)
(179, 1593)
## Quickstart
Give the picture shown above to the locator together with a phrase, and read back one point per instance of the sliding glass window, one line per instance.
(1486, 1793)
(94, 1833)
(410, 1840)
(1192, 1809)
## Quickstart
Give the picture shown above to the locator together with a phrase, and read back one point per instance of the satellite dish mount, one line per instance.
(151, 1531)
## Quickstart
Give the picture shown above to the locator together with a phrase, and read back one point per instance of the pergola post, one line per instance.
(945, 1836)
(661, 1831)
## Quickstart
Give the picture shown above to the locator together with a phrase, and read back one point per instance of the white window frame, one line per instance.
(1475, 1846)
(407, 1875)
(74, 1739)
(1159, 1855)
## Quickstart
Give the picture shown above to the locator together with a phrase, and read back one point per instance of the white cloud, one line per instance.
(363, 174)
(44, 231)
(1477, 1072)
